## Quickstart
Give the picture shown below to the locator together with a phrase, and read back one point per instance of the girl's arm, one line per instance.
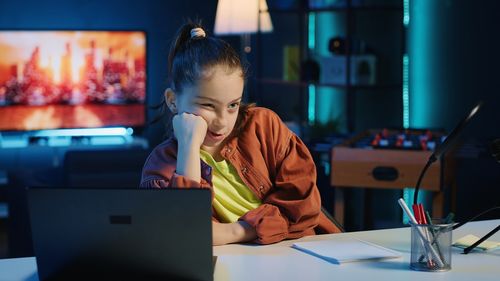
(188, 161)
(226, 233)
(291, 204)
(190, 131)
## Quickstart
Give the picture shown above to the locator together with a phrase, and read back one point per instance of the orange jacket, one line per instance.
(273, 162)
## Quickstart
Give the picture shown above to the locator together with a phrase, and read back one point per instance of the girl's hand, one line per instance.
(189, 129)
(236, 232)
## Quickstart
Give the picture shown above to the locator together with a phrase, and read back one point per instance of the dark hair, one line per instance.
(190, 56)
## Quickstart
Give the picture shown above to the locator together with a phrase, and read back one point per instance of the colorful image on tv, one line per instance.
(72, 79)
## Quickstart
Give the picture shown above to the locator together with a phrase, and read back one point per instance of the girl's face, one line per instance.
(216, 98)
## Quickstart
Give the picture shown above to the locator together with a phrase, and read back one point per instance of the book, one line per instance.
(291, 63)
(340, 251)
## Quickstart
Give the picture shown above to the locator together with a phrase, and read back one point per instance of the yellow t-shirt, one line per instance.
(232, 197)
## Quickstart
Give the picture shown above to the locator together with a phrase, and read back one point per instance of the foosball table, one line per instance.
(391, 159)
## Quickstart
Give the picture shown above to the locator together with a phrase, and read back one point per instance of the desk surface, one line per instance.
(280, 262)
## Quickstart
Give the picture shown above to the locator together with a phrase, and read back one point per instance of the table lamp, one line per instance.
(242, 17)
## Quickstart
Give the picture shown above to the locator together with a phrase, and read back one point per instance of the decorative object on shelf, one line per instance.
(309, 71)
(362, 70)
(338, 46)
(242, 17)
(320, 130)
(291, 63)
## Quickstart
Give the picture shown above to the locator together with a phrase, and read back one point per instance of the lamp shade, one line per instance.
(242, 17)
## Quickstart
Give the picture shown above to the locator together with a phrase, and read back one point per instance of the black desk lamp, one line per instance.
(440, 150)
(448, 142)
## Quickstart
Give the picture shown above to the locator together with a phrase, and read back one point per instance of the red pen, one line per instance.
(423, 220)
(416, 213)
(422, 214)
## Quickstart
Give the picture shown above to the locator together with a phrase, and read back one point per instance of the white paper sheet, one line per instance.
(345, 250)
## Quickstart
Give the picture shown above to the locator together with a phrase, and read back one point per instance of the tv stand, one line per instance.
(78, 160)
(72, 138)
(78, 141)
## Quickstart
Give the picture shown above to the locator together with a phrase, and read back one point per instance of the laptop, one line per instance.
(121, 234)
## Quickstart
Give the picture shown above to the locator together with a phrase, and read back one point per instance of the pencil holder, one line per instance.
(431, 247)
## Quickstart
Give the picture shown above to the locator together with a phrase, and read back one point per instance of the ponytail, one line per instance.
(193, 51)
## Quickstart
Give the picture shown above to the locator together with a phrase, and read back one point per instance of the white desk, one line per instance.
(280, 262)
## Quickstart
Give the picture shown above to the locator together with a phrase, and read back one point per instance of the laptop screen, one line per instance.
(122, 233)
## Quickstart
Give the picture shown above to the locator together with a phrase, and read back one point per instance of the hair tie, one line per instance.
(198, 32)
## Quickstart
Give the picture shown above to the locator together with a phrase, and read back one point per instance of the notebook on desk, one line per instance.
(121, 234)
(344, 250)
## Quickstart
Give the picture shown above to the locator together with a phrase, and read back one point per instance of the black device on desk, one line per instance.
(121, 234)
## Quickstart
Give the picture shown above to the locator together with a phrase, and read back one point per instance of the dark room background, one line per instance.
(454, 61)
(453, 64)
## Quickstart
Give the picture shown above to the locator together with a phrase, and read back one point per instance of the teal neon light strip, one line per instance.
(115, 131)
(406, 12)
(407, 192)
(311, 109)
(406, 92)
(408, 198)
(311, 42)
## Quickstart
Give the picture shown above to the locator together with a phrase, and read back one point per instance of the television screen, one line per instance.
(72, 79)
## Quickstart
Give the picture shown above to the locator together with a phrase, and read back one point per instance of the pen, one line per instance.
(418, 212)
(449, 218)
(429, 219)
(435, 234)
(426, 242)
(422, 214)
(429, 234)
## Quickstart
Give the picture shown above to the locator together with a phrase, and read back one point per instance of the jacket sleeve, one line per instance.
(159, 172)
(176, 181)
(292, 207)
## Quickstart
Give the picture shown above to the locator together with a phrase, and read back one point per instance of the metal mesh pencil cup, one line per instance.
(431, 247)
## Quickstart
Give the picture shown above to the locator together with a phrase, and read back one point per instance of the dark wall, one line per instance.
(454, 62)
(160, 20)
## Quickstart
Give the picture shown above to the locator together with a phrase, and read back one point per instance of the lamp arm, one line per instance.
(431, 160)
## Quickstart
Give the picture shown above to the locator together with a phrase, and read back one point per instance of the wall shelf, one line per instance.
(395, 8)
(385, 39)
(341, 86)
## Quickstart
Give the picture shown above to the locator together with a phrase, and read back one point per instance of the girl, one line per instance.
(261, 175)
